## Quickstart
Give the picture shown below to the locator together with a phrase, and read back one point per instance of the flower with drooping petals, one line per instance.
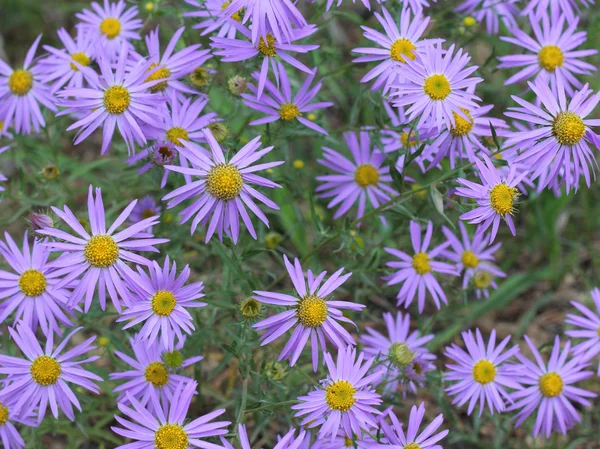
(345, 399)
(554, 54)
(364, 177)
(165, 426)
(560, 143)
(160, 301)
(496, 196)
(549, 390)
(98, 259)
(282, 105)
(312, 314)
(482, 372)
(41, 379)
(32, 292)
(111, 25)
(416, 273)
(491, 12)
(224, 188)
(158, 155)
(588, 327)
(21, 91)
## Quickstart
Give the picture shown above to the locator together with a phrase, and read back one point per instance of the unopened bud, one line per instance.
(237, 85)
(40, 221)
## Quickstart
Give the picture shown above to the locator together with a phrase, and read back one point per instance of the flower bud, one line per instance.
(237, 85)
(40, 221)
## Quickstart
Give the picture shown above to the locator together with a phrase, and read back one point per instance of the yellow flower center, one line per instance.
(289, 111)
(80, 58)
(116, 99)
(224, 182)
(366, 175)
(32, 283)
(469, 21)
(420, 263)
(110, 27)
(176, 134)
(348, 441)
(147, 213)
(199, 77)
(400, 354)
(174, 359)
(502, 198)
(482, 279)
(267, 48)
(551, 384)
(484, 372)
(163, 303)
(402, 48)
(312, 311)
(550, 57)
(156, 373)
(469, 259)
(417, 368)
(340, 395)
(408, 140)
(412, 446)
(171, 436)
(568, 128)
(45, 370)
(3, 414)
(20, 82)
(463, 126)
(101, 251)
(159, 74)
(437, 87)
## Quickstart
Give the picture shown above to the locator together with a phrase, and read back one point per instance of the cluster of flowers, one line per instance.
(428, 91)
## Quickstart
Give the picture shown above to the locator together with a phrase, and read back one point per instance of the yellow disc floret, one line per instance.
(484, 372)
(437, 87)
(176, 134)
(32, 283)
(45, 370)
(469, 259)
(366, 175)
(551, 384)
(163, 303)
(171, 436)
(420, 263)
(340, 395)
(156, 374)
(568, 128)
(158, 74)
(312, 311)
(401, 49)
(550, 57)
(463, 126)
(116, 99)
(20, 82)
(224, 182)
(289, 111)
(3, 414)
(110, 27)
(267, 48)
(81, 59)
(101, 251)
(502, 198)
(412, 445)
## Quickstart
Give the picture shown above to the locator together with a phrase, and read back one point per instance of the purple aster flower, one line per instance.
(399, 44)
(358, 180)
(345, 399)
(160, 302)
(166, 426)
(436, 86)
(223, 187)
(171, 66)
(412, 439)
(117, 99)
(397, 351)
(209, 11)
(482, 372)
(588, 327)
(32, 292)
(570, 8)
(158, 155)
(496, 196)
(562, 136)
(21, 91)
(235, 50)
(111, 26)
(491, 12)
(282, 104)
(463, 140)
(98, 260)
(473, 258)
(553, 56)
(312, 313)
(9, 435)
(288, 441)
(41, 378)
(416, 273)
(549, 390)
(58, 67)
(145, 208)
(151, 379)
